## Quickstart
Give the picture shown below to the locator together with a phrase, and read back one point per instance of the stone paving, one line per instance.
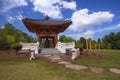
(57, 59)
(96, 69)
(64, 62)
(115, 70)
(76, 67)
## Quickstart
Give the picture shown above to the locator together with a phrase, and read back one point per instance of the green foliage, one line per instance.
(103, 45)
(81, 49)
(118, 44)
(94, 44)
(81, 43)
(99, 41)
(9, 36)
(16, 47)
(4, 45)
(10, 39)
(108, 46)
(65, 39)
(111, 41)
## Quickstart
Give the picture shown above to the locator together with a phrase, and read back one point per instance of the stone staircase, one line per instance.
(50, 51)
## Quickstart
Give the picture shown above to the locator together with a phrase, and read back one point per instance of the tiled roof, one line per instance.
(38, 25)
(47, 22)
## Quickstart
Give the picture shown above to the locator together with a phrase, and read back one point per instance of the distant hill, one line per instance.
(9, 36)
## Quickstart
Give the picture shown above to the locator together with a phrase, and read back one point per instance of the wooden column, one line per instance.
(56, 41)
(37, 37)
(40, 39)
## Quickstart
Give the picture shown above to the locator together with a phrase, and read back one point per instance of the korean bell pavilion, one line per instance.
(46, 30)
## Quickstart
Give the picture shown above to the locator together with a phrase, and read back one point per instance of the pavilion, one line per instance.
(46, 30)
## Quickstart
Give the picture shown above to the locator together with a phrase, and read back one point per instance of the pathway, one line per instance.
(58, 59)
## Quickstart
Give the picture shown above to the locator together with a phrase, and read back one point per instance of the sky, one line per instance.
(90, 18)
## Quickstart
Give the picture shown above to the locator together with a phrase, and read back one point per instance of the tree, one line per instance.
(81, 43)
(63, 38)
(9, 29)
(109, 46)
(99, 42)
(105, 41)
(117, 42)
(10, 39)
(94, 44)
(103, 44)
(112, 40)
(4, 44)
(117, 36)
(9, 35)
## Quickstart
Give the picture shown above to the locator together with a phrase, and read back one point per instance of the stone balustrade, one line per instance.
(30, 46)
(63, 46)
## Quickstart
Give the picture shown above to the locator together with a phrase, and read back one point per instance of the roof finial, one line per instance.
(46, 17)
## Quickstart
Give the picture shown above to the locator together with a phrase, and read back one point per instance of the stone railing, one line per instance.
(30, 46)
(63, 46)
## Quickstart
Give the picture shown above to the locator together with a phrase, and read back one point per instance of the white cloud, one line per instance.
(9, 4)
(69, 5)
(19, 17)
(14, 18)
(47, 7)
(91, 33)
(2, 27)
(52, 8)
(11, 19)
(87, 34)
(82, 19)
(110, 28)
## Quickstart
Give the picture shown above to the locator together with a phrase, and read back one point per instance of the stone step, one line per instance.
(50, 51)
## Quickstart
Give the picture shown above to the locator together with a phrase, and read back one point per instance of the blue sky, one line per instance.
(91, 18)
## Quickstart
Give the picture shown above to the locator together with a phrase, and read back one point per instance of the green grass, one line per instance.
(41, 70)
(112, 59)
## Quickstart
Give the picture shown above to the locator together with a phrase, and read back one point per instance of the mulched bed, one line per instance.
(91, 55)
(13, 55)
(86, 54)
(16, 56)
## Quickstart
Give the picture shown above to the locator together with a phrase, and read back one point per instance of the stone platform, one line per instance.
(49, 51)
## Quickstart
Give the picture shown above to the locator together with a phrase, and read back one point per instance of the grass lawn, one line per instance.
(41, 70)
(111, 61)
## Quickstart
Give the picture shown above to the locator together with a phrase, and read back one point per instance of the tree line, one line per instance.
(110, 41)
(9, 36)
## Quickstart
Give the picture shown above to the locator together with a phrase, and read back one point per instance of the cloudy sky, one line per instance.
(91, 18)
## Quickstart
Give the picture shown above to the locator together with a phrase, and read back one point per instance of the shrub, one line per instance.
(17, 47)
(81, 49)
(4, 46)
